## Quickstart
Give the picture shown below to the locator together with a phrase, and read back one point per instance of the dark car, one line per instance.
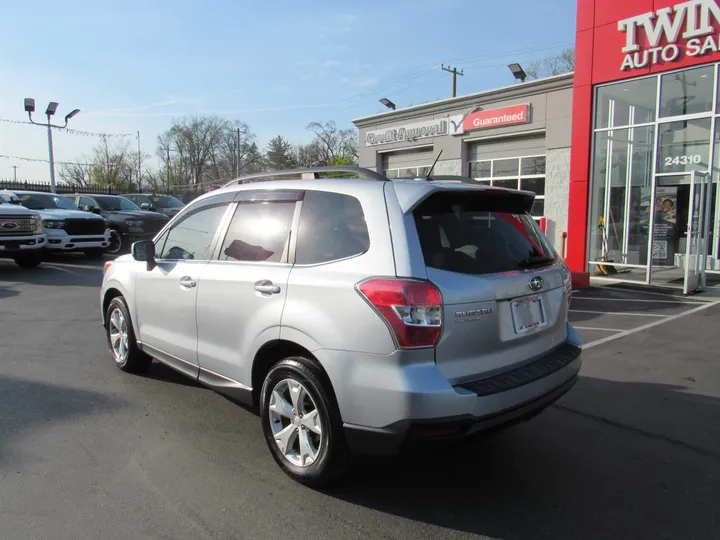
(165, 204)
(127, 221)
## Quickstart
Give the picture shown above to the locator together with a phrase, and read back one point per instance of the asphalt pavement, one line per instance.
(87, 451)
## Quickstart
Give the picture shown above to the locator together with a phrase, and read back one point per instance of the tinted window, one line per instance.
(332, 227)
(87, 201)
(192, 237)
(41, 201)
(114, 204)
(464, 233)
(259, 231)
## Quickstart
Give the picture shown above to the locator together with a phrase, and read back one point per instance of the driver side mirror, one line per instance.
(144, 250)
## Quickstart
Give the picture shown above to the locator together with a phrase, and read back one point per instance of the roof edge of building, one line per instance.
(516, 90)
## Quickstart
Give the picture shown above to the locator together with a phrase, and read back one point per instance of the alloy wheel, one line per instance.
(115, 242)
(295, 423)
(118, 335)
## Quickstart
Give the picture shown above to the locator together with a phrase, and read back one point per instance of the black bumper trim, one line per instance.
(526, 374)
(402, 435)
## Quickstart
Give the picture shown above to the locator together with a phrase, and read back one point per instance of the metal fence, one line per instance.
(185, 194)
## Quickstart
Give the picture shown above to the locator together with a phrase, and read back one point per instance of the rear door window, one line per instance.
(259, 232)
(332, 227)
(478, 233)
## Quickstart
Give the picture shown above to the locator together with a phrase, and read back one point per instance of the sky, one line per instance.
(134, 66)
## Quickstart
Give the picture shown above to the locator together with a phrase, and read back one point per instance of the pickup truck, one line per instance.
(21, 234)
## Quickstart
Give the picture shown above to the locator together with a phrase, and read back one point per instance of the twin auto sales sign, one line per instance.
(671, 34)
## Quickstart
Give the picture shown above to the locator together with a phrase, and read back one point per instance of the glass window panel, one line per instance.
(620, 100)
(407, 173)
(481, 169)
(532, 165)
(684, 146)
(484, 182)
(191, 238)
(391, 173)
(510, 184)
(536, 185)
(258, 232)
(506, 167)
(538, 208)
(687, 92)
(598, 180)
(423, 171)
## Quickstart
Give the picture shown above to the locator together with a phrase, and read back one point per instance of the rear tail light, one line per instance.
(412, 309)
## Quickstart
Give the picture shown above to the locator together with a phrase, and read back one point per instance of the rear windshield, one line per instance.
(480, 234)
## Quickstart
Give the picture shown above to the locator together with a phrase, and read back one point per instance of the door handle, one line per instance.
(187, 281)
(267, 287)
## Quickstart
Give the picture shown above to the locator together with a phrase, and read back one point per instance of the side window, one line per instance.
(259, 231)
(192, 237)
(332, 227)
(86, 201)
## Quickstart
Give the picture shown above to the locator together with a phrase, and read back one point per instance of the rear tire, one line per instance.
(29, 260)
(95, 253)
(121, 338)
(301, 423)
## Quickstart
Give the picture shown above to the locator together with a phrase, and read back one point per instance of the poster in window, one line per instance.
(665, 238)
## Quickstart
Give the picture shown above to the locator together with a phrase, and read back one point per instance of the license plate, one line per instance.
(528, 314)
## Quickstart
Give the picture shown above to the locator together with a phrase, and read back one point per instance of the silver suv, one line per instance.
(361, 316)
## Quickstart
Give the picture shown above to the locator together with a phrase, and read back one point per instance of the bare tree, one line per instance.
(76, 174)
(564, 62)
(112, 164)
(331, 142)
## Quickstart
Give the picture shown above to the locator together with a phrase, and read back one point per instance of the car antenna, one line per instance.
(433, 166)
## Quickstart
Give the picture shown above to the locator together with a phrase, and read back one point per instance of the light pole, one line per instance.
(50, 111)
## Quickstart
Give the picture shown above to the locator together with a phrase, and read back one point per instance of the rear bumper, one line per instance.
(389, 405)
(406, 434)
(14, 246)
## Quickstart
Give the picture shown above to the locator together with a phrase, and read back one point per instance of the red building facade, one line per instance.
(645, 110)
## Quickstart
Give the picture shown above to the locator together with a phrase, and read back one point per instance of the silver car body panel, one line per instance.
(213, 331)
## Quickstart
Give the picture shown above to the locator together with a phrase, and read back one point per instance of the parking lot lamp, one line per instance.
(49, 112)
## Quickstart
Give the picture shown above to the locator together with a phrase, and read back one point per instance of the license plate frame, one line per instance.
(528, 314)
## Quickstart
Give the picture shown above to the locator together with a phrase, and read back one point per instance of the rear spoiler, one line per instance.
(482, 198)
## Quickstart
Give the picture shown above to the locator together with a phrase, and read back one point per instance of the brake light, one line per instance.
(413, 309)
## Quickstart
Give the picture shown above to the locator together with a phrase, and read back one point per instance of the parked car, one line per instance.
(65, 226)
(127, 222)
(359, 315)
(21, 233)
(165, 204)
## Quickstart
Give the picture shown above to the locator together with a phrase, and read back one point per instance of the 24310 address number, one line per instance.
(695, 159)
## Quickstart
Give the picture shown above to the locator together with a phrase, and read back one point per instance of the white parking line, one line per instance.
(598, 329)
(635, 300)
(647, 326)
(630, 313)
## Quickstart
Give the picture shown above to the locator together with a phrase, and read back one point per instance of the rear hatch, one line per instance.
(505, 290)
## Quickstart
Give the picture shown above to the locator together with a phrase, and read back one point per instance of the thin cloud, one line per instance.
(332, 63)
(367, 81)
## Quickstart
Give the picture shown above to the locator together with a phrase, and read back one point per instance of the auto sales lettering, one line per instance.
(694, 24)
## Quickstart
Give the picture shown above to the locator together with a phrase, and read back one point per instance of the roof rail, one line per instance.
(303, 174)
(441, 178)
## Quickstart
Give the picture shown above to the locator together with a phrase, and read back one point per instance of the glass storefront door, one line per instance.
(651, 134)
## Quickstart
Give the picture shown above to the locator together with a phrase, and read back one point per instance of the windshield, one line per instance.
(166, 201)
(113, 204)
(466, 235)
(41, 201)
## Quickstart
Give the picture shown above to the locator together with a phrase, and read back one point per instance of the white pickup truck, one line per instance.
(21, 235)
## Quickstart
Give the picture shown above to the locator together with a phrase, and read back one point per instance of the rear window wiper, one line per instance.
(536, 260)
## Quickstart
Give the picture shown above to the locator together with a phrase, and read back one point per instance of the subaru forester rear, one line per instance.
(360, 316)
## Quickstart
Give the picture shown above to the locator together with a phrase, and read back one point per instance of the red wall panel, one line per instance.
(611, 11)
(585, 15)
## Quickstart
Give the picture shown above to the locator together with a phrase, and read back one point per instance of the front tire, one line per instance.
(121, 338)
(301, 423)
(29, 260)
(117, 242)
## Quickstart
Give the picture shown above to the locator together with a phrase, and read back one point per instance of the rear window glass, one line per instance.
(479, 235)
(332, 227)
